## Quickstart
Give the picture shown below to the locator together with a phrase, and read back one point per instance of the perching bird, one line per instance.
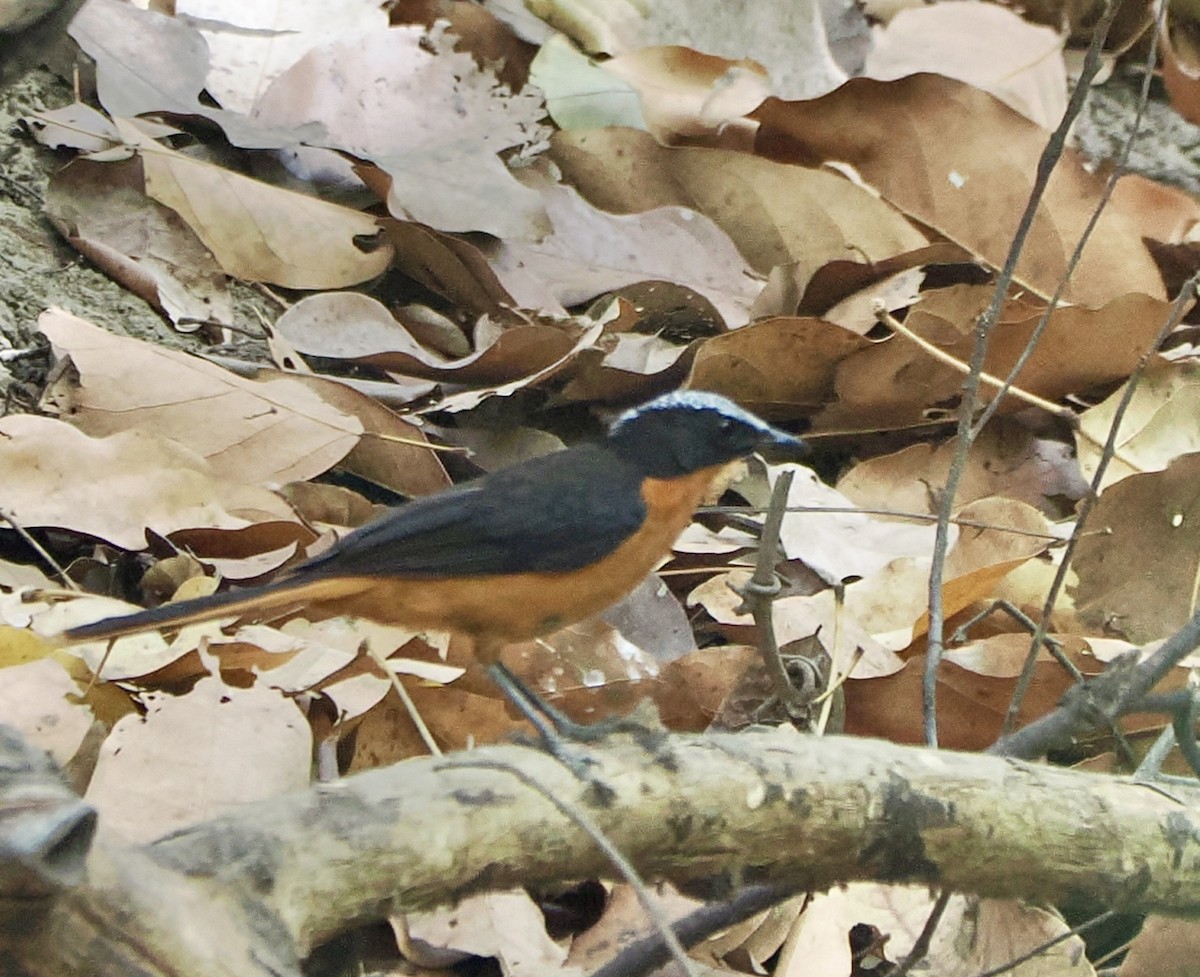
(517, 553)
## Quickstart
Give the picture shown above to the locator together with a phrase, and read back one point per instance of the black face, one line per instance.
(684, 432)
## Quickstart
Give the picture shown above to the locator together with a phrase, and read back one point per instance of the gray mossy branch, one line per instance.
(272, 880)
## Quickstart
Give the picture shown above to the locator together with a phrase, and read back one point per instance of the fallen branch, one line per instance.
(256, 890)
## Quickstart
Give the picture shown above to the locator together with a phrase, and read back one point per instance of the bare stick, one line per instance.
(920, 949)
(758, 595)
(1055, 146)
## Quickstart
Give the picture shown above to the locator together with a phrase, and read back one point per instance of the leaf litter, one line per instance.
(457, 211)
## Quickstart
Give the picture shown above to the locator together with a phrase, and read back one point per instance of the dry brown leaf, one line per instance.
(623, 922)
(789, 39)
(589, 670)
(982, 44)
(774, 213)
(1138, 561)
(499, 447)
(458, 271)
(457, 717)
(895, 383)
(653, 621)
(691, 689)
(761, 367)
(816, 291)
(271, 432)
(101, 211)
(118, 486)
(845, 544)
(194, 756)
(858, 313)
(259, 232)
(1181, 66)
(931, 145)
(247, 553)
(1163, 948)
(632, 368)
(864, 629)
(971, 703)
(470, 399)
(345, 325)
(885, 609)
(149, 62)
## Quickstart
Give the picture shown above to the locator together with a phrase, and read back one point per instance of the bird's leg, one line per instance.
(555, 728)
(549, 721)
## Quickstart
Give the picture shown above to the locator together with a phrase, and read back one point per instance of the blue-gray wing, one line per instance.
(553, 514)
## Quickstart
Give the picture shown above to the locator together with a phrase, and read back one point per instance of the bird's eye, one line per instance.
(726, 425)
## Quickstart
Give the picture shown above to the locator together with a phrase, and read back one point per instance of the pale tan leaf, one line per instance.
(506, 925)
(1161, 423)
(251, 44)
(694, 96)
(257, 231)
(255, 432)
(194, 756)
(42, 701)
(592, 252)
(116, 487)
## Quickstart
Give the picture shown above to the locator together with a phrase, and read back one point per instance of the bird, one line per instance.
(514, 554)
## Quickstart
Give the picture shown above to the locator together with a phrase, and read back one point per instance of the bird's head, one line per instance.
(688, 430)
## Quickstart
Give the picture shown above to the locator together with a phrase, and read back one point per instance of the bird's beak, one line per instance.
(780, 444)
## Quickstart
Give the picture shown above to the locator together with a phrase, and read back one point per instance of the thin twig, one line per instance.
(1052, 153)
(37, 547)
(610, 851)
(738, 510)
(1114, 692)
(883, 316)
(409, 706)
(1005, 387)
(1151, 766)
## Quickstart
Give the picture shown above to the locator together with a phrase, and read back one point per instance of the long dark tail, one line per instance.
(271, 599)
